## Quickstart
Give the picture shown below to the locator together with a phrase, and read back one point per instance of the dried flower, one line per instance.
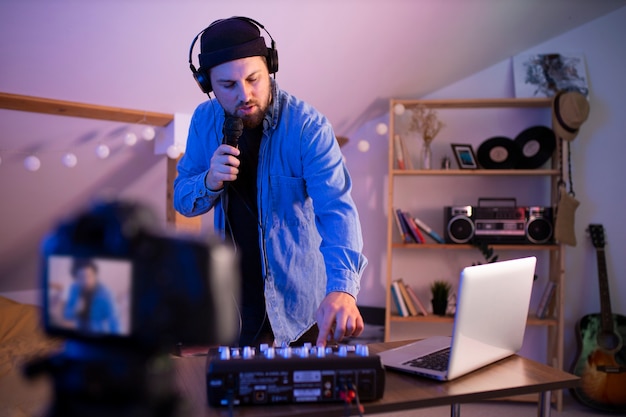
(425, 121)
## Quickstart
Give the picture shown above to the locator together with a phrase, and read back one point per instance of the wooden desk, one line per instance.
(512, 376)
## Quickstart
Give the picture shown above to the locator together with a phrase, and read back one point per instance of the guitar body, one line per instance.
(601, 358)
(602, 370)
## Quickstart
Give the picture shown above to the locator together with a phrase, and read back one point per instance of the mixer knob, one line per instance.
(248, 352)
(286, 352)
(224, 352)
(362, 350)
(343, 351)
(320, 352)
(304, 352)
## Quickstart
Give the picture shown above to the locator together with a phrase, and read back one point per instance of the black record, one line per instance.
(536, 146)
(498, 152)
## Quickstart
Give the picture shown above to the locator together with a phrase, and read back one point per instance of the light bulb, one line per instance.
(398, 109)
(130, 139)
(103, 151)
(32, 163)
(381, 128)
(148, 133)
(69, 160)
(363, 146)
(173, 151)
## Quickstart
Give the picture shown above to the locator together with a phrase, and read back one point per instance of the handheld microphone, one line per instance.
(232, 130)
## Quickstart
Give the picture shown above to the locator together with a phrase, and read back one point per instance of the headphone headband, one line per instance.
(202, 76)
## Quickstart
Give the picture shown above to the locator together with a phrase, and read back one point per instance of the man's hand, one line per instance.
(338, 317)
(224, 167)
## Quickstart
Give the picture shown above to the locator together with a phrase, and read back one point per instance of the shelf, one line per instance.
(476, 172)
(532, 320)
(455, 246)
(507, 114)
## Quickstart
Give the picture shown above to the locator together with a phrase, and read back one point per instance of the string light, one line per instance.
(399, 109)
(69, 160)
(148, 133)
(363, 146)
(130, 139)
(103, 151)
(174, 151)
(381, 128)
(32, 163)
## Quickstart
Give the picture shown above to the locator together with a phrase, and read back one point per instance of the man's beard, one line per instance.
(252, 121)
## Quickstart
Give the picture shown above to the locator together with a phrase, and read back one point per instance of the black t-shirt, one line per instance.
(243, 223)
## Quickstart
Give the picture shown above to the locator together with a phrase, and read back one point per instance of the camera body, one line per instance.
(162, 289)
(123, 295)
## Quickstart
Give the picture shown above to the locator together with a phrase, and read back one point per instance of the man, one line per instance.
(90, 304)
(282, 195)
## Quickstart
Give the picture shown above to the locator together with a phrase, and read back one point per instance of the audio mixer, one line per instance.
(274, 375)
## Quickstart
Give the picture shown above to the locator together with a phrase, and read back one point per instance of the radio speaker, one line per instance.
(459, 224)
(539, 226)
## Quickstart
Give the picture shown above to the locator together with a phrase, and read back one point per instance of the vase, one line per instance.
(427, 156)
(439, 306)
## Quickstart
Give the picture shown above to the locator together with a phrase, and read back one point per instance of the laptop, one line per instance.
(489, 324)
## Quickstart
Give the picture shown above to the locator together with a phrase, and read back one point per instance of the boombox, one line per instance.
(513, 225)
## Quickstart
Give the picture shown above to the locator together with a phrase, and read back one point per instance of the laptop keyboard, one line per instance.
(436, 361)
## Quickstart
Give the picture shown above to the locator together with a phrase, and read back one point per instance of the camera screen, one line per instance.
(89, 296)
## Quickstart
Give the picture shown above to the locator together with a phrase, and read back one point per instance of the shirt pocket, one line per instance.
(291, 205)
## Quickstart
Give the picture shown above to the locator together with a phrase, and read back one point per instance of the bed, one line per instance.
(21, 340)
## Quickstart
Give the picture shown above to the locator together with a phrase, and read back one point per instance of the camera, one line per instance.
(122, 295)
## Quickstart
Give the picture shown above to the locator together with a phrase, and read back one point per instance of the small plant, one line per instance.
(440, 291)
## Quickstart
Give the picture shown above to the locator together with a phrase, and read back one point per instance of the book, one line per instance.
(428, 230)
(416, 300)
(414, 229)
(398, 300)
(407, 299)
(406, 156)
(402, 227)
(548, 294)
(399, 152)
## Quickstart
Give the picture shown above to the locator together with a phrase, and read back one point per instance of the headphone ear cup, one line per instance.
(272, 60)
(203, 80)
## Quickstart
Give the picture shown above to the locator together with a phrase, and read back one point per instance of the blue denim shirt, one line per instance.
(102, 315)
(311, 242)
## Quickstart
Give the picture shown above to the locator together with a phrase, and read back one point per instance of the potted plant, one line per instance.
(440, 291)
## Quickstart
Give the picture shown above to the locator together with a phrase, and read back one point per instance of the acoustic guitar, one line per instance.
(601, 358)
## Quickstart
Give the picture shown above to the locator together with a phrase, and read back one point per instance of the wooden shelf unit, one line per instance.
(554, 323)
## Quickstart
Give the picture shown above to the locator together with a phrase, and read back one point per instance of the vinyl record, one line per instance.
(498, 152)
(536, 146)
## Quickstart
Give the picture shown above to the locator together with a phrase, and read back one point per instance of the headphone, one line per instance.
(203, 78)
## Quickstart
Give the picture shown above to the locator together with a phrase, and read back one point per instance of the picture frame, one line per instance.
(464, 155)
(544, 74)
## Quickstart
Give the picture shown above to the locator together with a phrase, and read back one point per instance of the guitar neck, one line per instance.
(605, 297)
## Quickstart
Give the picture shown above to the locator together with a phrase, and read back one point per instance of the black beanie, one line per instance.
(229, 39)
